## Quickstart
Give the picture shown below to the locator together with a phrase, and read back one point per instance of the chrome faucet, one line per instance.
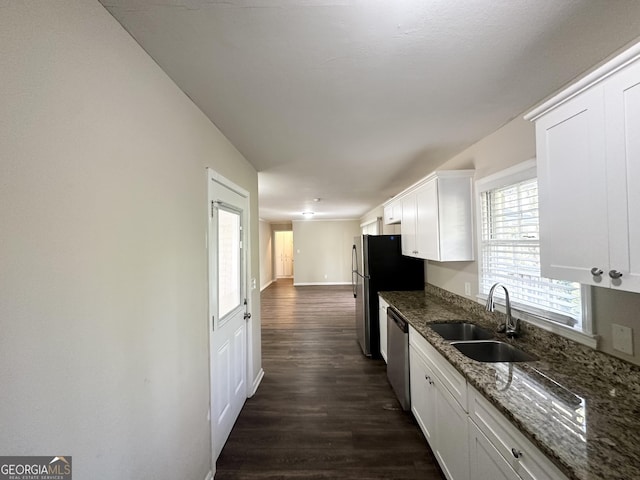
(513, 324)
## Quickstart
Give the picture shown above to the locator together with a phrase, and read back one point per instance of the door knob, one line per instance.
(596, 272)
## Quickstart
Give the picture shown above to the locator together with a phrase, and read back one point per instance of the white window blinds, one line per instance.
(510, 247)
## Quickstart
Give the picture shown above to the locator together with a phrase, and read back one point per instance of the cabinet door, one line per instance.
(423, 399)
(427, 225)
(408, 225)
(622, 96)
(484, 460)
(452, 443)
(392, 213)
(572, 190)
(452, 379)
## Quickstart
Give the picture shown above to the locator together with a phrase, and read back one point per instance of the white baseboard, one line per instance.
(262, 288)
(209, 476)
(306, 284)
(256, 383)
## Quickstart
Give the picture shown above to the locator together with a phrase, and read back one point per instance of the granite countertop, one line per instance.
(580, 407)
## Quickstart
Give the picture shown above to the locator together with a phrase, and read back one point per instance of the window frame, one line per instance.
(536, 316)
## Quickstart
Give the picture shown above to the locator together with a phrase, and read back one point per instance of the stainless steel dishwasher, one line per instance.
(398, 357)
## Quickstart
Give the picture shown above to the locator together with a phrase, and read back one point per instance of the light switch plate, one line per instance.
(622, 338)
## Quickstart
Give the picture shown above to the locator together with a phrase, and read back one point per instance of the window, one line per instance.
(229, 278)
(510, 251)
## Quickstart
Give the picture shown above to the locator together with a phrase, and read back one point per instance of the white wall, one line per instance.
(322, 251)
(266, 255)
(103, 291)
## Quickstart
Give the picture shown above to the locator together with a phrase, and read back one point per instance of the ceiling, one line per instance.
(351, 101)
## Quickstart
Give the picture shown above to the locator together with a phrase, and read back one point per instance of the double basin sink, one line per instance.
(478, 344)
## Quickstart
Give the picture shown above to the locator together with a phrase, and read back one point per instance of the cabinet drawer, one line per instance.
(530, 464)
(452, 380)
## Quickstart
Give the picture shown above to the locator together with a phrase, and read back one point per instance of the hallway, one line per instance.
(323, 411)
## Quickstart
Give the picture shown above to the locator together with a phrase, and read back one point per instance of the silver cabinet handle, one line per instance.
(615, 274)
(516, 453)
(428, 379)
(596, 272)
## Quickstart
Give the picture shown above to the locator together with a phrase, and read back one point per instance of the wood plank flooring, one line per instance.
(323, 410)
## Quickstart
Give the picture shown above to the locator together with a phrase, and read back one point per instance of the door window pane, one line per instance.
(229, 278)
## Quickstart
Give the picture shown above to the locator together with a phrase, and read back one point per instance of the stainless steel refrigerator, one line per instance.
(377, 265)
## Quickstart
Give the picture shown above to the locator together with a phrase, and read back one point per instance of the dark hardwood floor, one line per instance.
(323, 410)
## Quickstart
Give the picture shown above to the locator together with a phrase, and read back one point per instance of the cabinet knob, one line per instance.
(596, 272)
(516, 453)
(615, 274)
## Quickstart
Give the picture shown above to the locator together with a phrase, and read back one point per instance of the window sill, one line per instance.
(577, 336)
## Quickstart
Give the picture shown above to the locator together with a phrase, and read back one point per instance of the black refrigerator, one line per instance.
(377, 265)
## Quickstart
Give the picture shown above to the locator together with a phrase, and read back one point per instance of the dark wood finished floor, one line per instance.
(323, 410)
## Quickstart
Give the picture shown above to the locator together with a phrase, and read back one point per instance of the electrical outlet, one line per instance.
(467, 289)
(622, 338)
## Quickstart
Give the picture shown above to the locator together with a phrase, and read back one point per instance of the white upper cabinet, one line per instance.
(392, 213)
(588, 152)
(437, 222)
(572, 189)
(409, 225)
(622, 121)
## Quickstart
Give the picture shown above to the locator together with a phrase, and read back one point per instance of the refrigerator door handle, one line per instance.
(354, 259)
(353, 272)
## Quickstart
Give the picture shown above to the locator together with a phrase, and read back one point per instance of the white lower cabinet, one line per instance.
(518, 452)
(423, 394)
(440, 416)
(382, 320)
(452, 447)
(479, 445)
(484, 460)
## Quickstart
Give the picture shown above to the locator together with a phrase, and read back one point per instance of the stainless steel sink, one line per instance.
(493, 351)
(461, 331)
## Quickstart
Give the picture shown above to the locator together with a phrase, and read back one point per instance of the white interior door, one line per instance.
(288, 254)
(228, 306)
(284, 253)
